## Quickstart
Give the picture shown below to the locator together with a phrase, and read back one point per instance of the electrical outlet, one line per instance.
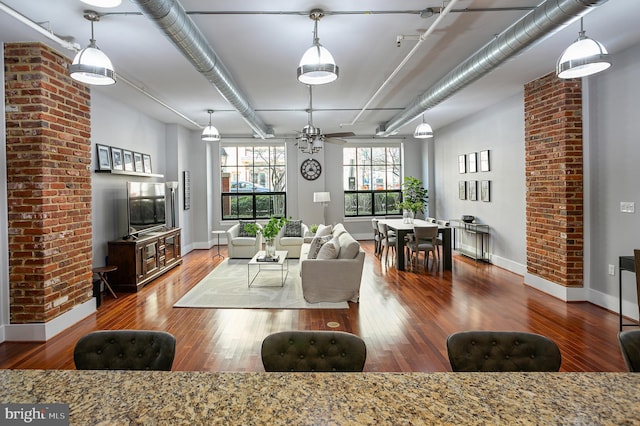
(612, 270)
(627, 206)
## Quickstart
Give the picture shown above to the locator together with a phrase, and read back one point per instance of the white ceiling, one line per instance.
(261, 51)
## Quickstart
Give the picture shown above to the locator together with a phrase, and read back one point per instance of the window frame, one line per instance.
(371, 196)
(229, 200)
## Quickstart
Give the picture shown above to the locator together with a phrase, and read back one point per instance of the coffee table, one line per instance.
(282, 264)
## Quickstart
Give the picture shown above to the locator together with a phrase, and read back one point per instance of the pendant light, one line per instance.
(584, 57)
(91, 65)
(210, 133)
(423, 131)
(103, 3)
(317, 65)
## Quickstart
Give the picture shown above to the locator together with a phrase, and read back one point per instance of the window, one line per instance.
(253, 181)
(372, 180)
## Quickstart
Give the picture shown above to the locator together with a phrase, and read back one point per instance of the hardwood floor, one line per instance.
(404, 318)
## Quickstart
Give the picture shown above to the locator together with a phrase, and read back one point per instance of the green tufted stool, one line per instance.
(502, 351)
(125, 350)
(313, 351)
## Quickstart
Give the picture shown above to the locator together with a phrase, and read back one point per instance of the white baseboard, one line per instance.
(568, 294)
(508, 264)
(2, 334)
(41, 332)
(611, 303)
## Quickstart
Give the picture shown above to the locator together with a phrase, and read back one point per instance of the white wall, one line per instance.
(611, 175)
(500, 130)
(115, 124)
(614, 176)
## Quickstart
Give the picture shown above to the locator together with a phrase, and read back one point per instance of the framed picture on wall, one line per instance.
(462, 190)
(473, 190)
(146, 163)
(127, 159)
(116, 159)
(485, 190)
(473, 162)
(187, 189)
(484, 161)
(137, 161)
(462, 163)
(104, 157)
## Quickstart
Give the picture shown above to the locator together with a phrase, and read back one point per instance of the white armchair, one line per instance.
(291, 244)
(242, 247)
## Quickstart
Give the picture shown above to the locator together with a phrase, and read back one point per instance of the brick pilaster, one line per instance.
(49, 184)
(554, 180)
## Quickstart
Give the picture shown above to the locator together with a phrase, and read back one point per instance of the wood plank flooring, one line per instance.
(404, 318)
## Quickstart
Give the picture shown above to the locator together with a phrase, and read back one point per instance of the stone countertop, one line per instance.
(123, 397)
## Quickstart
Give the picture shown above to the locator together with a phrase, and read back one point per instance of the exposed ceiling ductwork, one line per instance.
(171, 18)
(543, 21)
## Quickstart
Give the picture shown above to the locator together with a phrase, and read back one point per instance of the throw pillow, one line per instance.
(338, 230)
(349, 247)
(316, 245)
(293, 228)
(329, 250)
(242, 232)
(323, 230)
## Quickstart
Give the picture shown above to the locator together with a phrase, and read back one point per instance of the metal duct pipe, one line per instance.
(543, 21)
(171, 18)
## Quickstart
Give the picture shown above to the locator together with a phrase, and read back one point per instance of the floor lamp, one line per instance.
(324, 198)
(173, 185)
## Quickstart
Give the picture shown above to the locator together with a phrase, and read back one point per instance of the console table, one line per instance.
(202, 398)
(625, 263)
(141, 260)
(480, 235)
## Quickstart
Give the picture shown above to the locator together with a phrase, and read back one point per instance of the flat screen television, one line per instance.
(146, 206)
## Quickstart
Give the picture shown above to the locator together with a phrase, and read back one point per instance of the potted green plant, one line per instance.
(414, 197)
(269, 232)
(313, 228)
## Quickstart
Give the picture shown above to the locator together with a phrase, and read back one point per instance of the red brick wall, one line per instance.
(49, 184)
(553, 155)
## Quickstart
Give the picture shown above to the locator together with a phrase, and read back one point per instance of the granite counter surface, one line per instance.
(159, 398)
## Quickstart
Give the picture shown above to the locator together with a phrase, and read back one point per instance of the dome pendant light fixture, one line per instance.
(103, 3)
(317, 65)
(584, 57)
(423, 131)
(91, 65)
(210, 133)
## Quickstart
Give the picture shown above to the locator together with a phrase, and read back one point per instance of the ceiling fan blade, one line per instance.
(339, 135)
(334, 140)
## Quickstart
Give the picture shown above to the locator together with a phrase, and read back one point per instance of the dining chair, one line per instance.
(424, 240)
(439, 242)
(376, 236)
(125, 350)
(387, 242)
(313, 351)
(487, 351)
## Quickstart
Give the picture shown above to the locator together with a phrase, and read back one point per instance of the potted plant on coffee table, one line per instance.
(414, 197)
(269, 232)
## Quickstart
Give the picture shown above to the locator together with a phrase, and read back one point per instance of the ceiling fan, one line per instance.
(311, 140)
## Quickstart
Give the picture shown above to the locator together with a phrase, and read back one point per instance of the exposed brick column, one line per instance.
(553, 155)
(49, 184)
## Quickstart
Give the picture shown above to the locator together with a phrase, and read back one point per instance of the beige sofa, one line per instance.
(333, 280)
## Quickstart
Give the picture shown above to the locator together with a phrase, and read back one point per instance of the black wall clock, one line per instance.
(311, 169)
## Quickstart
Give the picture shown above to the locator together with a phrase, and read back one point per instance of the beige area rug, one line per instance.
(226, 287)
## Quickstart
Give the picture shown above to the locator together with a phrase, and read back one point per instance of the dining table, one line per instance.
(106, 397)
(401, 228)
